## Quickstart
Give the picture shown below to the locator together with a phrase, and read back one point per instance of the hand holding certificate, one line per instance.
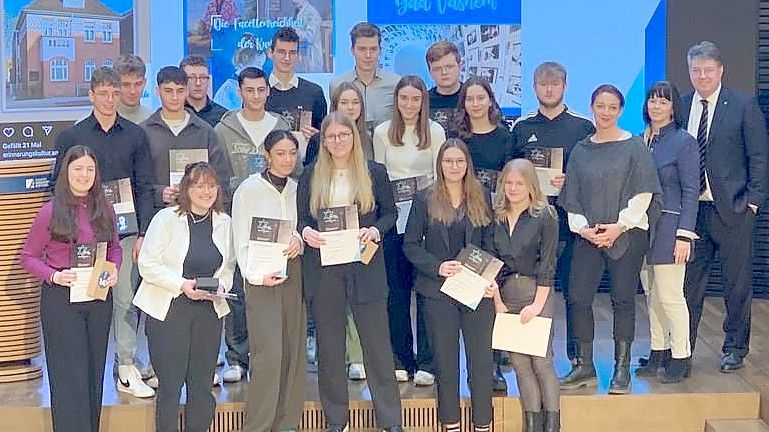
(269, 240)
(94, 275)
(477, 270)
(338, 228)
(510, 334)
(548, 163)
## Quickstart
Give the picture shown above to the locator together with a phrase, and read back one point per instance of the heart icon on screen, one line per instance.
(8, 132)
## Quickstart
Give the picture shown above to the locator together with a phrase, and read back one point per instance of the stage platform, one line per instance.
(698, 404)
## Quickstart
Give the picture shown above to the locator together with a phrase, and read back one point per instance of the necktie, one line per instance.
(702, 139)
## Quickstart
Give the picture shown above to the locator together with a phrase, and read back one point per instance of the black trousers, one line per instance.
(400, 279)
(235, 327)
(445, 319)
(75, 336)
(329, 309)
(563, 273)
(183, 349)
(587, 266)
(734, 245)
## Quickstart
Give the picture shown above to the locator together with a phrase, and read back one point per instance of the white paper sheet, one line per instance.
(266, 257)
(465, 287)
(78, 291)
(530, 338)
(341, 247)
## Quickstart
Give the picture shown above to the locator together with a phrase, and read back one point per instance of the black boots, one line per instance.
(620, 381)
(532, 421)
(676, 370)
(552, 421)
(656, 360)
(582, 373)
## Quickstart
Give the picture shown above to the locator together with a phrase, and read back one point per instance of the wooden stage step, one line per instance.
(736, 425)
(631, 413)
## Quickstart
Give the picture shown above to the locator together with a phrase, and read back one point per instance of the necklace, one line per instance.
(197, 221)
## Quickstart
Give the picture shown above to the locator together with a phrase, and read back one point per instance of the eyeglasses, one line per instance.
(198, 78)
(454, 162)
(284, 53)
(101, 94)
(341, 136)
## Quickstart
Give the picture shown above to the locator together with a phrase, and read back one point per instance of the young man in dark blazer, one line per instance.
(731, 134)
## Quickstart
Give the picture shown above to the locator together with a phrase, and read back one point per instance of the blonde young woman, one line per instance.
(342, 176)
(525, 237)
(408, 147)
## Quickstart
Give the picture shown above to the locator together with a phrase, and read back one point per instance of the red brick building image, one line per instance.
(58, 44)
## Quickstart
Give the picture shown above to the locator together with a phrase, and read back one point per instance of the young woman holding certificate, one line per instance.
(445, 218)
(525, 238)
(274, 304)
(187, 259)
(408, 146)
(610, 183)
(75, 334)
(341, 177)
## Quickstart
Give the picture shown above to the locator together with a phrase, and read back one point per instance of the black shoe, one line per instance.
(676, 371)
(731, 362)
(620, 381)
(398, 428)
(582, 372)
(500, 385)
(532, 421)
(552, 421)
(337, 428)
(653, 363)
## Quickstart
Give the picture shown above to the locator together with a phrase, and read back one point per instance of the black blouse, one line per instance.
(532, 249)
(203, 258)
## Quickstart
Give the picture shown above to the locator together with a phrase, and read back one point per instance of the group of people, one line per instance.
(632, 205)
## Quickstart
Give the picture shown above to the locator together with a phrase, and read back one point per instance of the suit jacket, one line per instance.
(370, 281)
(676, 157)
(426, 245)
(736, 155)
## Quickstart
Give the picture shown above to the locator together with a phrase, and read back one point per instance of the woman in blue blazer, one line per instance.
(676, 156)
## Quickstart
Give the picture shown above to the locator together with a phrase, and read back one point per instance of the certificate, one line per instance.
(339, 227)
(404, 191)
(178, 159)
(83, 259)
(479, 269)
(548, 163)
(120, 195)
(531, 338)
(269, 238)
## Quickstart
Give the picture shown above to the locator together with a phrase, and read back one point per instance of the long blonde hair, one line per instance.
(537, 200)
(439, 202)
(361, 186)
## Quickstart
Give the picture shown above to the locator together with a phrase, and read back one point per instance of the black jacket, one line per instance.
(370, 280)
(426, 245)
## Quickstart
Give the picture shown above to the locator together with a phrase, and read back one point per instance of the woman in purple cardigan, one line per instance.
(75, 326)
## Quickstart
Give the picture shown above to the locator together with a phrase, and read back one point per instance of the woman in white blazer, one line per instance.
(184, 243)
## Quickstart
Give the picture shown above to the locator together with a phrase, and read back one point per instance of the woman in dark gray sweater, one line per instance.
(610, 182)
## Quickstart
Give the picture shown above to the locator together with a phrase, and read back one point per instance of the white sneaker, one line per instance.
(220, 360)
(217, 380)
(129, 380)
(233, 374)
(401, 375)
(424, 378)
(356, 371)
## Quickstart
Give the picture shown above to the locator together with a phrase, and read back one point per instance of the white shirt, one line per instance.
(695, 112)
(340, 188)
(176, 126)
(407, 160)
(258, 130)
(256, 197)
(280, 85)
